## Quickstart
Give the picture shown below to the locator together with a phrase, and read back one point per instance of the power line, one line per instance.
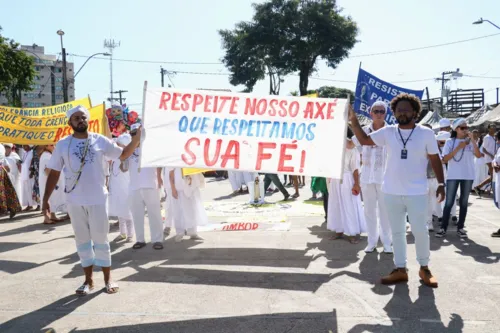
(483, 77)
(352, 56)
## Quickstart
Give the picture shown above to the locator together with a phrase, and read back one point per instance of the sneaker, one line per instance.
(454, 219)
(462, 233)
(398, 275)
(441, 233)
(178, 238)
(430, 226)
(120, 238)
(427, 278)
(388, 249)
(370, 248)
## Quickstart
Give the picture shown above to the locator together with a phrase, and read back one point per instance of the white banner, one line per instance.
(228, 131)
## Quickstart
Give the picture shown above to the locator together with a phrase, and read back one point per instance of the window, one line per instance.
(59, 79)
(37, 68)
(34, 105)
(58, 88)
(35, 86)
(59, 96)
(58, 70)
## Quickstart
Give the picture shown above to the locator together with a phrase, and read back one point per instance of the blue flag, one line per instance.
(370, 88)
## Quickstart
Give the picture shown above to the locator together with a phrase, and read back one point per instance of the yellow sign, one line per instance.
(47, 111)
(193, 171)
(315, 95)
(21, 129)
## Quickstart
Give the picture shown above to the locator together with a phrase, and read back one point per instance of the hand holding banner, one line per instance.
(219, 130)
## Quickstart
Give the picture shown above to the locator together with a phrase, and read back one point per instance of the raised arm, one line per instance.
(361, 136)
(130, 148)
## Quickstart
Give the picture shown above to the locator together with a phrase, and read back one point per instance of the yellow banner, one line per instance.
(315, 95)
(193, 171)
(47, 111)
(20, 129)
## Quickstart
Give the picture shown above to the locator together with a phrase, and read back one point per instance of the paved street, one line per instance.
(261, 280)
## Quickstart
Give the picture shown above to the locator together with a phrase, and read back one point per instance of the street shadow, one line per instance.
(469, 248)
(409, 317)
(14, 267)
(303, 322)
(38, 320)
(11, 246)
(47, 228)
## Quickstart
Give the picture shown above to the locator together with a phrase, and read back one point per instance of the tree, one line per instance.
(16, 71)
(292, 35)
(329, 92)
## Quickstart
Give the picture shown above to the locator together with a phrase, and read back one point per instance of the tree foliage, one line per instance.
(291, 36)
(16, 71)
(329, 92)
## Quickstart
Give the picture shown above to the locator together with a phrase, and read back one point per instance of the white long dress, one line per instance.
(345, 211)
(118, 191)
(236, 179)
(496, 179)
(13, 161)
(168, 204)
(27, 182)
(57, 199)
(188, 209)
(481, 171)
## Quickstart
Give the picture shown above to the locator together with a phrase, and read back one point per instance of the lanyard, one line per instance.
(407, 139)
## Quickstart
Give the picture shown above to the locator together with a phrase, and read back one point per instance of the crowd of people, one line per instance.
(394, 175)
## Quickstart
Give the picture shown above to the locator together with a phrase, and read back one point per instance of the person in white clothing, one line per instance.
(496, 181)
(188, 208)
(27, 183)
(409, 147)
(14, 162)
(345, 211)
(445, 126)
(489, 149)
(56, 201)
(479, 164)
(82, 158)
(118, 187)
(168, 204)
(144, 192)
(372, 174)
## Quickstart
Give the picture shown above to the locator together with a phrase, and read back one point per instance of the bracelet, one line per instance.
(440, 184)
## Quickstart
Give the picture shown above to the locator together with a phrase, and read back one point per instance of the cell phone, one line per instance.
(134, 128)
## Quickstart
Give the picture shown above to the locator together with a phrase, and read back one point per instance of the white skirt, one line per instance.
(189, 212)
(481, 170)
(118, 195)
(345, 211)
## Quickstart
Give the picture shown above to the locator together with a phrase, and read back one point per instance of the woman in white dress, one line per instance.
(496, 180)
(345, 211)
(118, 188)
(480, 166)
(57, 199)
(188, 209)
(14, 161)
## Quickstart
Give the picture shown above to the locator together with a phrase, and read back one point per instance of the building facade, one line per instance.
(48, 82)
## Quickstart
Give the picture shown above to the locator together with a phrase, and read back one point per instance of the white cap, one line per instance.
(76, 109)
(124, 139)
(10, 145)
(457, 123)
(443, 136)
(444, 122)
(379, 103)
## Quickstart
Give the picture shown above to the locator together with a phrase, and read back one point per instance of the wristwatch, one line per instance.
(440, 184)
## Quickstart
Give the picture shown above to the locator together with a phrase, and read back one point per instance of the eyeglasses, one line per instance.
(378, 111)
(464, 128)
(441, 143)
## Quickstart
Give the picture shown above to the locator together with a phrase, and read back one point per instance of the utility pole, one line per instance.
(497, 95)
(119, 92)
(65, 77)
(110, 44)
(443, 79)
(164, 72)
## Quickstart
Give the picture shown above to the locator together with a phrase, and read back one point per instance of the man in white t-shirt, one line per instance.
(82, 158)
(489, 149)
(144, 192)
(409, 148)
(372, 175)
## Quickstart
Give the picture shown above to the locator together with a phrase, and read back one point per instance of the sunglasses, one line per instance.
(464, 128)
(378, 111)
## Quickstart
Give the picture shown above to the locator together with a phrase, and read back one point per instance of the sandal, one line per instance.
(112, 288)
(353, 240)
(337, 236)
(138, 245)
(296, 195)
(84, 289)
(158, 246)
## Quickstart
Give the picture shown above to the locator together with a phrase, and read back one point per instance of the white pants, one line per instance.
(433, 206)
(373, 198)
(126, 227)
(149, 198)
(91, 227)
(416, 206)
(27, 193)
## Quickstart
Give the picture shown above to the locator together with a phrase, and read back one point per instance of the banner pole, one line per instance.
(346, 115)
(360, 64)
(143, 133)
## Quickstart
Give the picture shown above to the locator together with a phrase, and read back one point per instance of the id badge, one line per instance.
(404, 154)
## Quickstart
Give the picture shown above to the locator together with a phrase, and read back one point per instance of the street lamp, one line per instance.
(480, 21)
(104, 54)
(65, 79)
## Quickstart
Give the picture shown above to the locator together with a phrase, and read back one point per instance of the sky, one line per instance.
(186, 31)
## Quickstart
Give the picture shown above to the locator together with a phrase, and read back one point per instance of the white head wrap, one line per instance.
(379, 103)
(10, 145)
(124, 139)
(444, 122)
(443, 136)
(457, 123)
(76, 109)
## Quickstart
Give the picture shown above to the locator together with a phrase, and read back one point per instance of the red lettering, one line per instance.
(208, 161)
(285, 157)
(262, 106)
(331, 109)
(308, 113)
(223, 100)
(189, 152)
(197, 100)
(293, 109)
(320, 113)
(234, 105)
(250, 106)
(263, 156)
(175, 102)
(233, 226)
(207, 103)
(248, 226)
(283, 112)
(58, 134)
(185, 102)
(224, 227)
(216, 101)
(230, 155)
(255, 226)
(165, 97)
(241, 226)
(273, 103)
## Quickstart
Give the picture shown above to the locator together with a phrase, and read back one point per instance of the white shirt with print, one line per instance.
(67, 156)
(406, 176)
(373, 160)
(461, 166)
